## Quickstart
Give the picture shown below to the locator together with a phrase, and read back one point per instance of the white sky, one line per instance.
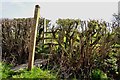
(55, 10)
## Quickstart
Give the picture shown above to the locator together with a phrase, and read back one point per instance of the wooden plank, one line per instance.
(47, 32)
(49, 38)
(51, 44)
(33, 37)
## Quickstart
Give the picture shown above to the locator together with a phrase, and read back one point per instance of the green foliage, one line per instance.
(34, 73)
(98, 75)
(6, 72)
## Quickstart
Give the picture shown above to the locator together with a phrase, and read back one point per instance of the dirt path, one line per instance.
(37, 63)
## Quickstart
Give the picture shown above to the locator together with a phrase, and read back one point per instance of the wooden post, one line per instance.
(45, 30)
(119, 50)
(119, 13)
(33, 37)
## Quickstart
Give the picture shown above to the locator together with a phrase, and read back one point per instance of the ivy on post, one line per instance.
(33, 37)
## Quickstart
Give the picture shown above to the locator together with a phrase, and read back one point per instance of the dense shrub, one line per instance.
(83, 46)
(16, 38)
(84, 50)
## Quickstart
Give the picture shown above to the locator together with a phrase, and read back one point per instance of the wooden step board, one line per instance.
(47, 32)
(50, 44)
(47, 38)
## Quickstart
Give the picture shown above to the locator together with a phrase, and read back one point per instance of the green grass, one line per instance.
(35, 73)
(5, 70)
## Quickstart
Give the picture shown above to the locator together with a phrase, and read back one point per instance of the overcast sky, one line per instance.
(55, 10)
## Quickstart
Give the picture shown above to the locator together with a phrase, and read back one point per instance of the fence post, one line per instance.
(45, 30)
(119, 13)
(33, 37)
